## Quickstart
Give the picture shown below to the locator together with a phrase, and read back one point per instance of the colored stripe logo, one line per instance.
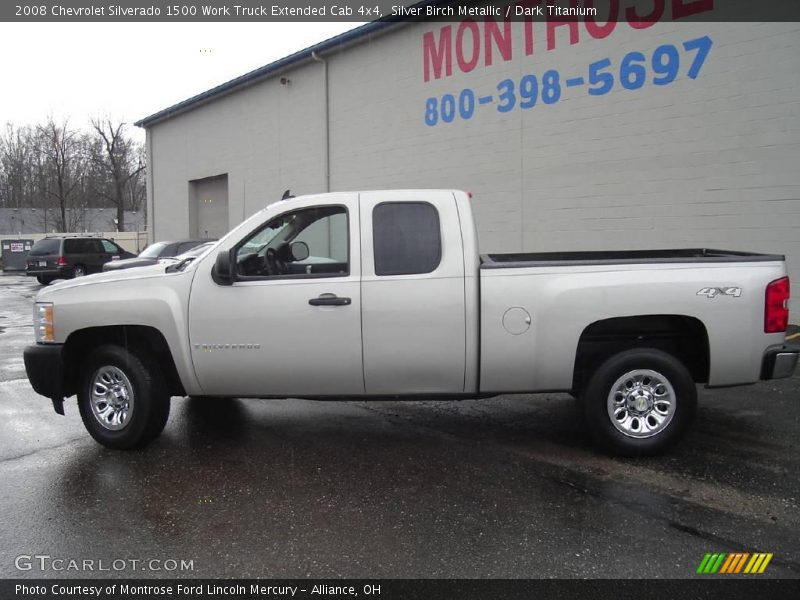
(734, 563)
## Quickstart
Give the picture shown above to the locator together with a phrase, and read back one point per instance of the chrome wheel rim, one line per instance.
(641, 403)
(112, 398)
(78, 271)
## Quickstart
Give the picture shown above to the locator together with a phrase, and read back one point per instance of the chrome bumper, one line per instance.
(780, 361)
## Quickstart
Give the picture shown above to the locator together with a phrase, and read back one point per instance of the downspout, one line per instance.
(327, 144)
(150, 202)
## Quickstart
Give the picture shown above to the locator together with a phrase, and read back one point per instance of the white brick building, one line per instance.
(681, 134)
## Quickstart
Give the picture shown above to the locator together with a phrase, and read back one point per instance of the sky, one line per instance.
(128, 71)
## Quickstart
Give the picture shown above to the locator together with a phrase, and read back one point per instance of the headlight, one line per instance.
(43, 322)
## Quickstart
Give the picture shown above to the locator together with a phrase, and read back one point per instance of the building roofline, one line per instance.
(282, 64)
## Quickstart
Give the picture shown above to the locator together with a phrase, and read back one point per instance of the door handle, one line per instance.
(329, 300)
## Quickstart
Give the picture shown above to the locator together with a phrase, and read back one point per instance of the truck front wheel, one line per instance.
(640, 402)
(122, 397)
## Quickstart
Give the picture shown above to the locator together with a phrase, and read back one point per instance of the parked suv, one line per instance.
(64, 257)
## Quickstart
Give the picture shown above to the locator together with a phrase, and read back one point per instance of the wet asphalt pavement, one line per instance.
(506, 487)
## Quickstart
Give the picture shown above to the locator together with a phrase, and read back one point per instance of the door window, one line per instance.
(110, 247)
(93, 247)
(311, 242)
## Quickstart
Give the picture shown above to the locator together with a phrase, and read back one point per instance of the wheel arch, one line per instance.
(684, 337)
(141, 337)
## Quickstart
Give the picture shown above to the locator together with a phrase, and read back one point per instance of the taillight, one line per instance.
(62, 261)
(776, 306)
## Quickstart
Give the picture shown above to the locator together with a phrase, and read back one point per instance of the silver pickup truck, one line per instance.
(384, 295)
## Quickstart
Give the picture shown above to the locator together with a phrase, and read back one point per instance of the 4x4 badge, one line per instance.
(713, 292)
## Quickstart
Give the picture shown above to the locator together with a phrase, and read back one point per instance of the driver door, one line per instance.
(290, 323)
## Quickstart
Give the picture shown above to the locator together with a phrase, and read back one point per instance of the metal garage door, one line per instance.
(208, 207)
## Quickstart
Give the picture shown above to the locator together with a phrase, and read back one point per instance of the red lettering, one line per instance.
(467, 65)
(496, 41)
(638, 21)
(687, 8)
(602, 31)
(433, 57)
(528, 25)
(559, 21)
(493, 36)
(528, 29)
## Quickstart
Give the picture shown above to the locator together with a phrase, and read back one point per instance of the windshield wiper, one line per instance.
(180, 265)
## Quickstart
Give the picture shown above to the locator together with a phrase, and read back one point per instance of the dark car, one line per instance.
(64, 257)
(153, 253)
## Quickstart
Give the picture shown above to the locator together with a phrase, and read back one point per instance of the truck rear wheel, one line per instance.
(122, 398)
(640, 402)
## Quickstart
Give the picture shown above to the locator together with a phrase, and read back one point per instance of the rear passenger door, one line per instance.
(412, 293)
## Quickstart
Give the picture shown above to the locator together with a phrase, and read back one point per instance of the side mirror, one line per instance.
(299, 251)
(221, 271)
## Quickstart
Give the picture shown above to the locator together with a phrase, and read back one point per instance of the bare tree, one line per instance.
(137, 188)
(121, 158)
(63, 173)
(17, 150)
(61, 148)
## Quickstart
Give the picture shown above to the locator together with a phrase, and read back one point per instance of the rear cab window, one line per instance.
(407, 238)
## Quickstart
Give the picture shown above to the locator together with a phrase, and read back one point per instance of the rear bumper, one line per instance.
(44, 366)
(780, 361)
(60, 272)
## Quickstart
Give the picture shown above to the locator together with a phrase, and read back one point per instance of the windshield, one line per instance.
(153, 250)
(196, 251)
(189, 256)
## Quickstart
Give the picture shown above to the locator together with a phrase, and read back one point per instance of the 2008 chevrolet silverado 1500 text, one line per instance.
(384, 294)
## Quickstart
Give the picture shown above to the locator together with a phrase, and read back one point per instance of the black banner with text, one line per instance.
(395, 589)
(643, 11)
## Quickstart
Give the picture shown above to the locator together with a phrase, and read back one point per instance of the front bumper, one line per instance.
(780, 361)
(44, 365)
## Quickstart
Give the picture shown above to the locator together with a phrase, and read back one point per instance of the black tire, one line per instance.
(44, 280)
(640, 380)
(78, 271)
(149, 409)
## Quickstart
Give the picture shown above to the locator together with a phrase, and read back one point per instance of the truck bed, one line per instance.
(615, 257)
